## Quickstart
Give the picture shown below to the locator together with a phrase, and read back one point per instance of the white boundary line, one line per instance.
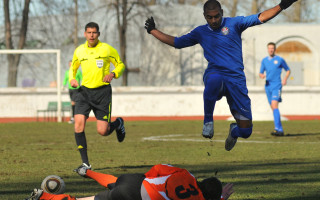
(178, 137)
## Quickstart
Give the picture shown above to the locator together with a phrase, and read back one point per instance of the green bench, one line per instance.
(50, 113)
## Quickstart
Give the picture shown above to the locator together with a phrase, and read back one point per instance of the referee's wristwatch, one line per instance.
(114, 75)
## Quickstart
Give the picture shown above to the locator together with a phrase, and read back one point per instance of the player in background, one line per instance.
(221, 41)
(72, 91)
(95, 92)
(161, 182)
(273, 66)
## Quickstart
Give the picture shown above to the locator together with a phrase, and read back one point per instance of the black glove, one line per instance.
(284, 4)
(150, 25)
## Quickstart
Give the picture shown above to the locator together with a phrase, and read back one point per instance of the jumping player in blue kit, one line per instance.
(221, 41)
(273, 66)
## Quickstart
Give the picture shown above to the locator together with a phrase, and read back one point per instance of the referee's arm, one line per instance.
(73, 71)
(118, 64)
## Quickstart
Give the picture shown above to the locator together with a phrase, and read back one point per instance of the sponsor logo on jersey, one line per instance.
(275, 62)
(225, 30)
(99, 63)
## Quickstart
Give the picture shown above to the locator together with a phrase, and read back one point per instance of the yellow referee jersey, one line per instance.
(95, 64)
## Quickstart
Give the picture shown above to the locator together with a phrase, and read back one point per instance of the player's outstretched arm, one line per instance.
(227, 191)
(271, 13)
(150, 26)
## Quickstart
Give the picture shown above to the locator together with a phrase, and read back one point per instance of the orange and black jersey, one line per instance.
(95, 64)
(165, 182)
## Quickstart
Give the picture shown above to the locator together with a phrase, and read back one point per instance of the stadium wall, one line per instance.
(166, 102)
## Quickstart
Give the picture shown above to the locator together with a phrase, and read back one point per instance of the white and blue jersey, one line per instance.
(273, 67)
(223, 51)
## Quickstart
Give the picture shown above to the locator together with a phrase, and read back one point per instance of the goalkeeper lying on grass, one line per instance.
(161, 182)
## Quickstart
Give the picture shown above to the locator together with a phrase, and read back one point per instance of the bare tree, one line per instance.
(13, 60)
(122, 29)
(76, 19)
(303, 11)
(254, 6)
(181, 1)
(123, 9)
(234, 8)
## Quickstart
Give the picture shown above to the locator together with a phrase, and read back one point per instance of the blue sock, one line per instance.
(241, 132)
(213, 83)
(277, 120)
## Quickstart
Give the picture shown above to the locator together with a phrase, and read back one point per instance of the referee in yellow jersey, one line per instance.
(95, 91)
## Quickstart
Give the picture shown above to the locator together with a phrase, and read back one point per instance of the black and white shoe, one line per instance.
(35, 195)
(82, 169)
(121, 131)
(71, 121)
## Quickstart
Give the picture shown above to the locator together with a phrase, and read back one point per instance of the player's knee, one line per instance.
(79, 124)
(245, 132)
(103, 132)
(78, 128)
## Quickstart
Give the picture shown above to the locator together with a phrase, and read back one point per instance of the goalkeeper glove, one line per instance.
(284, 4)
(150, 25)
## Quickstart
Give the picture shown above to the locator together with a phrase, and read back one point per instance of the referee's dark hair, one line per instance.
(211, 5)
(92, 25)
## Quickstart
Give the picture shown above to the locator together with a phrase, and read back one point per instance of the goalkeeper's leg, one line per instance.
(102, 179)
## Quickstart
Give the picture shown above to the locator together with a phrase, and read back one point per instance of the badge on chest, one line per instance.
(99, 63)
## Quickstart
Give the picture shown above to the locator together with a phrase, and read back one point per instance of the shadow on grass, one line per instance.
(258, 182)
(281, 169)
(300, 134)
(126, 167)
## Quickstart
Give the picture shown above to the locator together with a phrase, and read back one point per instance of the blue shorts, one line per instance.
(236, 92)
(273, 93)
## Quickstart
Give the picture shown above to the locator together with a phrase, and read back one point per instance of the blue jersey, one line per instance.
(273, 67)
(222, 47)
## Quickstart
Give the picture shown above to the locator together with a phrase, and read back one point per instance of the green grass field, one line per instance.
(261, 167)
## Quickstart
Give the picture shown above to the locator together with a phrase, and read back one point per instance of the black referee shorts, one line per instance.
(73, 94)
(127, 187)
(99, 100)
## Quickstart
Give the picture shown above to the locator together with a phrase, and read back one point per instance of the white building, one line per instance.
(166, 69)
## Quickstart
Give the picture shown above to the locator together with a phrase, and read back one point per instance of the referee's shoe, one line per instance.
(121, 131)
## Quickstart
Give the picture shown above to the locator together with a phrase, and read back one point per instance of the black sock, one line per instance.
(73, 106)
(82, 146)
(114, 125)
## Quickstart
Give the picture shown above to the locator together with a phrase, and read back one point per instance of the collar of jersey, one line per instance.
(219, 27)
(271, 58)
(86, 45)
